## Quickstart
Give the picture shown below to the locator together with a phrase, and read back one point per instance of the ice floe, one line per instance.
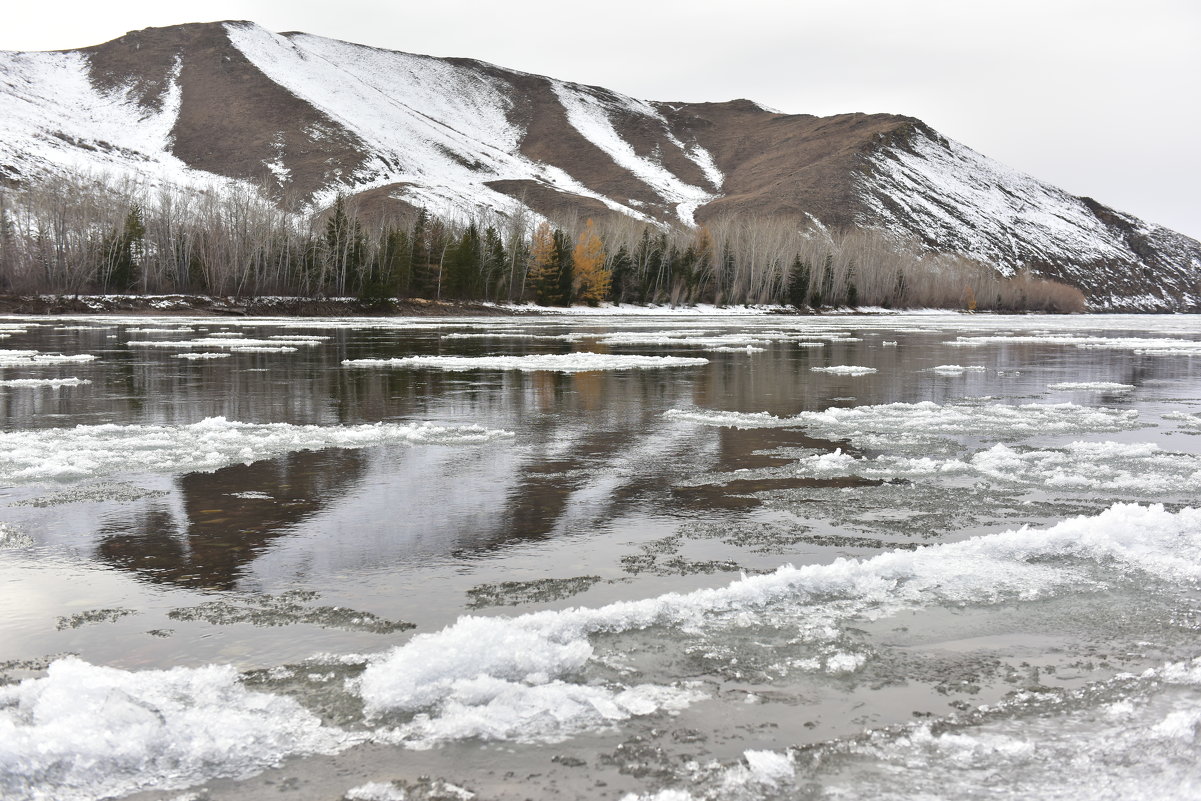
(1091, 386)
(955, 369)
(33, 358)
(562, 363)
(43, 382)
(1155, 346)
(911, 423)
(68, 454)
(1139, 748)
(510, 678)
(84, 731)
(1140, 468)
(845, 369)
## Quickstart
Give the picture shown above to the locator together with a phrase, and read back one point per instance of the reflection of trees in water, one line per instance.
(221, 534)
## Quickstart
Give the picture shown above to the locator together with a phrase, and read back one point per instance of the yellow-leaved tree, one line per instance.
(591, 278)
(543, 271)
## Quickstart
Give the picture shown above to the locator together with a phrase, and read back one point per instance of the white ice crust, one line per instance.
(918, 422)
(85, 731)
(562, 363)
(69, 454)
(510, 678)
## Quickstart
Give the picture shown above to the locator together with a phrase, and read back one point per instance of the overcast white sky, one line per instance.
(1097, 96)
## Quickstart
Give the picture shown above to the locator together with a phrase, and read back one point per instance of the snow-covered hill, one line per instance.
(306, 117)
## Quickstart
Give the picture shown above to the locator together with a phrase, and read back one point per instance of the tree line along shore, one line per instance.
(76, 235)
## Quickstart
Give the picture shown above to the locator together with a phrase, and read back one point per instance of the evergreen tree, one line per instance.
(463, 265)
(620, 268)
(123, 253)
(345, 249)
(565, 288)
(494, 263)
(421, 275)
(798, 282)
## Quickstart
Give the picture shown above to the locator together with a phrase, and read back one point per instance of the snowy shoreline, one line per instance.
(274, 305)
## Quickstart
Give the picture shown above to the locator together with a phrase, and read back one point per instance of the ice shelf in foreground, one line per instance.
(85, 731)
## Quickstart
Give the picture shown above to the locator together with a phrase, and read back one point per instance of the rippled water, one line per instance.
(705, 559)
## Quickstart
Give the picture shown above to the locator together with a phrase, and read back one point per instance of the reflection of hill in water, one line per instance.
(222, 533)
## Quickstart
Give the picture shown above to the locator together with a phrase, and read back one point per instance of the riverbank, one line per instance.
(202, 305)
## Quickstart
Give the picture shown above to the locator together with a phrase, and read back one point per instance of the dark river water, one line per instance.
(649, 558)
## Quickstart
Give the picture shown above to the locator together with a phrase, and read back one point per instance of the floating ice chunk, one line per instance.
(375, 791)
(202, 355)
(231, 340)
(563, 363)
(85, 731)
(1139, 345)
(889, 343)
(488, 708)
(1092, 386)
(1140, 747)
(769, 767)
(1189, 420)
(44, 382)
(730, 419)
(159, 330)
(512, 335)
(851, 370)
(1089, 466)
(955, 369)
(33, 358)
(836, 462)
(508, 678)
(67, 454)
(910, 423)
(11, 537)
(668, 794)
(262, 349)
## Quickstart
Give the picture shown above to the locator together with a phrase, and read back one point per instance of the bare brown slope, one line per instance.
(784, 164)
(233, 119)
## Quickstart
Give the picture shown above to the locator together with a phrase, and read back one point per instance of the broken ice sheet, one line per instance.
(285, 609)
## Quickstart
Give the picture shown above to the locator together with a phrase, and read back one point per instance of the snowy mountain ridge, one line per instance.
(307, 117)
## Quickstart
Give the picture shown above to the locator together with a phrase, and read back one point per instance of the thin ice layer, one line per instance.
(1142, 747)
(893, 423)
(559, 362)
(1141, 468)
(515, 678)
(69, 454)
(84, 731)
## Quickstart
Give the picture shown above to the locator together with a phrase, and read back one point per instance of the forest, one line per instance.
(86, 234)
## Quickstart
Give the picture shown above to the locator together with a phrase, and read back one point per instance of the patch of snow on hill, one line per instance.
(440, 128)
(952, 194)
(592, 116)
(53, 120)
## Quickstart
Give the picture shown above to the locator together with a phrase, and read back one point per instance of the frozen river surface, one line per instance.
(652, 558)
